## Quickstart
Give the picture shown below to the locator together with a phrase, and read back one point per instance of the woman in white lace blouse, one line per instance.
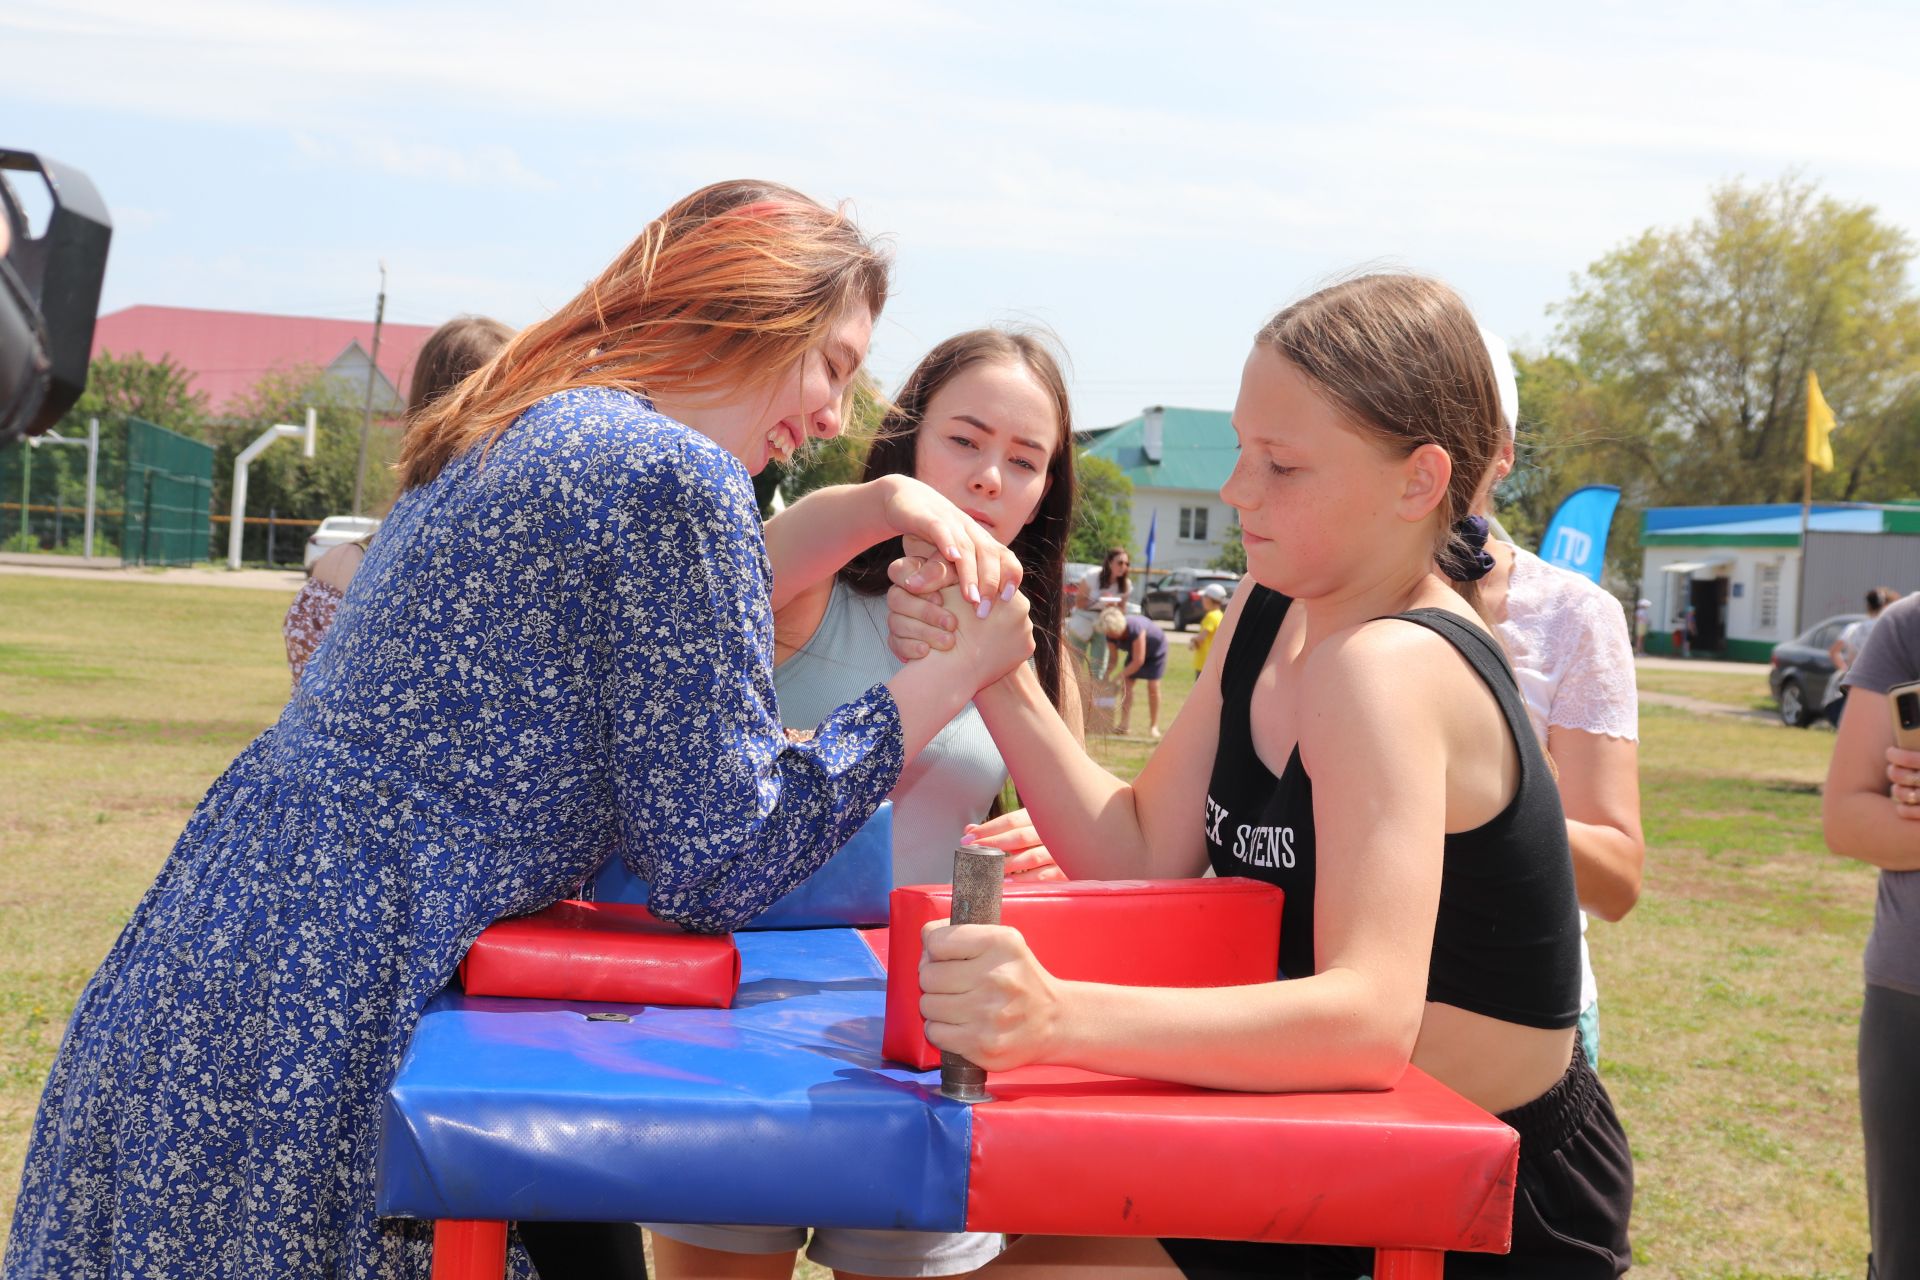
(1567, 639)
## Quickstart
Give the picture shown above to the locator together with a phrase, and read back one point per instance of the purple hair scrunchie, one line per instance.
(1466, 558)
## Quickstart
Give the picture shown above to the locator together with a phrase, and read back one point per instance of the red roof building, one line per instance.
(226, 352)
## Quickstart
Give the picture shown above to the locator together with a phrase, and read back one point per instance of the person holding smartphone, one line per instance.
(1871, 811)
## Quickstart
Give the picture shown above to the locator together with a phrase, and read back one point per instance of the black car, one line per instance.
(1175, 597)
(1802, 673)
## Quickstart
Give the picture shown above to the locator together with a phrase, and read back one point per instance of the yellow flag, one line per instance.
(1820, 425)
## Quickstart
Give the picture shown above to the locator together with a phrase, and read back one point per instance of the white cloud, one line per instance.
(475, 166)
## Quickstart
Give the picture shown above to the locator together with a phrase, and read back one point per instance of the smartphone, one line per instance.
(1904, 701)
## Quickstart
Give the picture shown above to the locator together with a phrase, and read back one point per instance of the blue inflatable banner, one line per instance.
(1577, 535)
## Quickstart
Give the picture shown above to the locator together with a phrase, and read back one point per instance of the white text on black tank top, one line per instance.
(1255, 846)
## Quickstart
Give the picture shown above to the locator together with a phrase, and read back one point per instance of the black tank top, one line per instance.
(1506, 942)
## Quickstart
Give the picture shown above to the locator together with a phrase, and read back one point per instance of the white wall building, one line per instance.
(1177, 460)
(1740, 570)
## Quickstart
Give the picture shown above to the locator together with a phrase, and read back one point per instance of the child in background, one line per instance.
(1216, 597)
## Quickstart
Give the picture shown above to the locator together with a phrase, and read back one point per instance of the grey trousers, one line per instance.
(1890, 1118)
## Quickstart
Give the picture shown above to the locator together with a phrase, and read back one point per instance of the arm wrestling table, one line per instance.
(781, 1110)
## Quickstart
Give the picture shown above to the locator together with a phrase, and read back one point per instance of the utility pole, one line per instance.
(373, 374)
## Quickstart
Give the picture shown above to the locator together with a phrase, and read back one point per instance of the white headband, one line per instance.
(1503, 378)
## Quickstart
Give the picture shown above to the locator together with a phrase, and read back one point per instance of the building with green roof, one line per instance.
(1177, 460)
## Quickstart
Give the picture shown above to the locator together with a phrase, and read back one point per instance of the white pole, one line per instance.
(238, 516)
(93, 473)
(237, 513)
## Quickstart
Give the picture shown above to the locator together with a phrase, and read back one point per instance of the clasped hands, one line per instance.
(955, 569)
(919, 622)
(983, 993)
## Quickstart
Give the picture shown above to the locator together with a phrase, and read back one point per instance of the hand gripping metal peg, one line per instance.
(977, 876)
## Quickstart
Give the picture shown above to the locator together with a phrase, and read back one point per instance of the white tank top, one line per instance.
(951, 783)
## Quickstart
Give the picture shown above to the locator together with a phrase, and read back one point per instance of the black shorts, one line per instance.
(1570, 1204)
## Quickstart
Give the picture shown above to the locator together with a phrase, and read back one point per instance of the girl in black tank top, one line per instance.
(1367, 420)
(1507, 938)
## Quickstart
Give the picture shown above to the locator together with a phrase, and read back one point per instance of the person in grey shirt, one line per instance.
(1872, 812)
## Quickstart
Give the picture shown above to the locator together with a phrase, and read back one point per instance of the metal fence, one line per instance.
(43, 502)
(169, 488)
(272, 539)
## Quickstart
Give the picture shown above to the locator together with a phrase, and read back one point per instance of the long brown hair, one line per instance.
(722, 292)
(1402, 358)
(1041, 544)
(449, 354)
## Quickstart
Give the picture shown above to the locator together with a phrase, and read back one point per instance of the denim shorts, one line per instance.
(871, 1253)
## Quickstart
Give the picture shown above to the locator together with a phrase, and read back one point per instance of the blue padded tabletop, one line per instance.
(779, 1110)
(852, 888)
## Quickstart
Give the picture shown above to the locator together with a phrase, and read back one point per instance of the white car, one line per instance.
(334, 531)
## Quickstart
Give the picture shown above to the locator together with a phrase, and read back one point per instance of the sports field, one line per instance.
(1729, 996)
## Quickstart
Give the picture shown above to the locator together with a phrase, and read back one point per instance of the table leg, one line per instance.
(470, 1250)
(1408, 1264)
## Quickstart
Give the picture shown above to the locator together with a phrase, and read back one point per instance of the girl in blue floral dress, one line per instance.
(559, 646)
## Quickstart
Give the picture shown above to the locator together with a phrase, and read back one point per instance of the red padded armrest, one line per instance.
(1140, 933)
(1065, 1152)
(611, 952)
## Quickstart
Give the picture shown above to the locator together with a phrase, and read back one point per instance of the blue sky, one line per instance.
(1148, 180)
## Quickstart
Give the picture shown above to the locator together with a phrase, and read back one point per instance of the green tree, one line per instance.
(159, 391)
(281, 479)
(1102, 511)
(118, 387)
(1569, 437)
(1687, 352)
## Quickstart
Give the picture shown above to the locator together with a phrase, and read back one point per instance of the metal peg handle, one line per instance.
(977, 876)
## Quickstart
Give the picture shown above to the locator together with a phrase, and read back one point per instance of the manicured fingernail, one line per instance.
(967, 838)
(953, 553)
(972, 593)
(986, 607)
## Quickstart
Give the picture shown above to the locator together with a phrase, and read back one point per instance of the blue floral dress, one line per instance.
(558, 651)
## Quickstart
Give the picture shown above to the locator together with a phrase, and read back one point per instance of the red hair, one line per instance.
(721, 293)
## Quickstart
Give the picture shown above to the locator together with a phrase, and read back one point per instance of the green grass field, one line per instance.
(1729, 996)
(1747, 692)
